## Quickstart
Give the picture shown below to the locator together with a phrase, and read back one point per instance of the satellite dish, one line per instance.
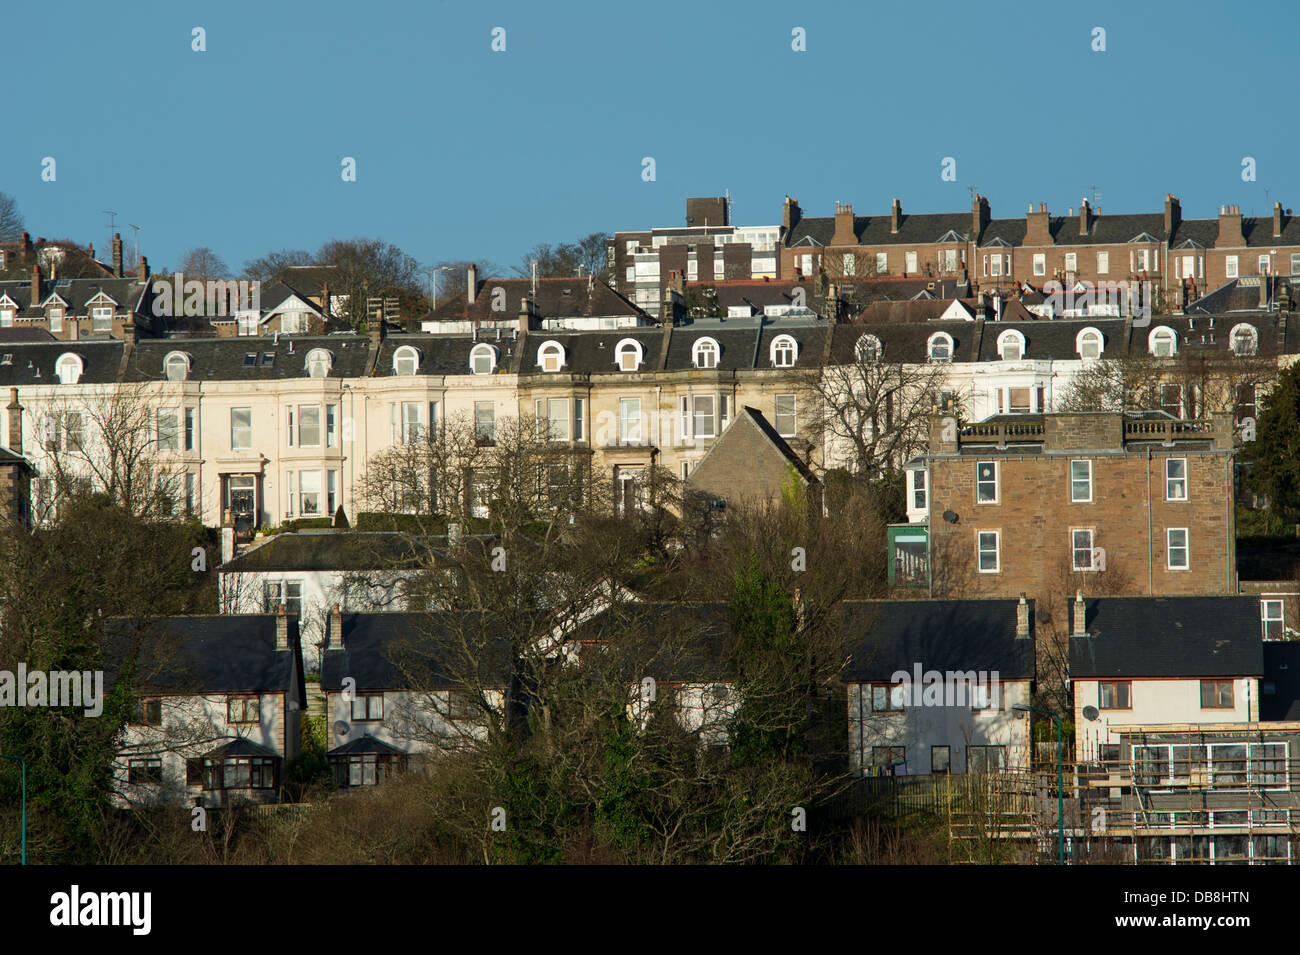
(950, 517)
(1090, 713)
(341, 728)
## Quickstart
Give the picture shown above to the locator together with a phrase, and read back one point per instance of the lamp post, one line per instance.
(433, 284)
(23, 767)
(1060, 781)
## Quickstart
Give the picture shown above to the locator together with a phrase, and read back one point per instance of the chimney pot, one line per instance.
(282, 628)
(1080, 629)
(471, 280)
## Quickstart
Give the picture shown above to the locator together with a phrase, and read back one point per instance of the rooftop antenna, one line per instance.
(533, 269)
(112, 228)
(1096, 196)
(135, 242)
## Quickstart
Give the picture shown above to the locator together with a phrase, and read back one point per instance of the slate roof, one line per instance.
(242, 746)
(76, 262)
(1282, 672)
(694, 638)
(913, 229)
(1234, 296)
(1055, 339)
(129, 294)
(208, 653)
(365, 746)
(885, 636)
(327, 550)
(32, 363)
(312, 279)
(1186, 637)
(382, 651)
(555, 298)
(226, 359)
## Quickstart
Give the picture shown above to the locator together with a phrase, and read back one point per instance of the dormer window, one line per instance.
(1011, 345)
(628, 354)
(68, 368)
(55, 314)
(176, 366)
(939, 347)
(6, 317)
(550, 356)
(319, 362)
(1088, 343)
(868, 348)
(1163, 342)
(1245, 340)
(406, 361)
(784, 350)
(705, 353)
(101, 318)
(483, 359)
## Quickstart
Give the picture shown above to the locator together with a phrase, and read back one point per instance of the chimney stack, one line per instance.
(1264, 280)
(1230, 234)
(1173, 214)
(334, 629)
(142, 270)
(27, 246)
(36, 286)
(1022, 617)
(282, 628)
(790, 215)
(526, 313)
(1080, 628)
(844, 233)
(979, 217)
(1083, 217)
(895, 217)
(15, 423)
(471, 287)
(117, 254)
(1277, 219)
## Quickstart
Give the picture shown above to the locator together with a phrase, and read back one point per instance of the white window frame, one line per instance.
(1176, 486)
(868, 348)
(1009, 338)
(176, 359)
(1074, 480)
(479, 350)
(997, 489)
(234, 433)
(1161, 334)
(1170, 547)
(550, 356)
(1249, 330)
(406, 356)
(629, 421)
(100, 322)
(784, 351)
(1089, 334)
(792, 415)
(1103, 263)
(1265, 619)
(703, 350)
(933, 340)
(1040, 263)
(1230, 269)
(981, 550)
(628, 346)
(319, 359)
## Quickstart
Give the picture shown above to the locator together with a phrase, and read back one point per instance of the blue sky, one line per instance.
(463, 153)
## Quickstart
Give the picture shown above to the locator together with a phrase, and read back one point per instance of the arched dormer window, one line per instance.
(705, 353)
(868, 348)
(406, 361)
(1011, 345)
(550, 356)
(483, 359)
(1244, 340)
(319, 362)
(1088, 344)
(628, 354)
(176, 366)
(784, 351)
(939, 347)
(1163, 342)
(69, 368)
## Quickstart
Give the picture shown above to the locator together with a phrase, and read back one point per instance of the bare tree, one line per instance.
(586, 256)
(109, 443)
(872, 414)
(11, 220)
(272, 266)
(203, 264)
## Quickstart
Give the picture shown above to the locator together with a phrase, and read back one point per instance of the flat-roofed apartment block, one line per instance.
(645, 264)
(1137, 503)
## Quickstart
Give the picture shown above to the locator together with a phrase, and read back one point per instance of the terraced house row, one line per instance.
(274, 425)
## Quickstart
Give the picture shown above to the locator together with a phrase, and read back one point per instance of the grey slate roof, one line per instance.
(226, 359)
(885, 636)
(345, 550)
(393, 651)
(913, 229)
(1167, 637)
(211, 653)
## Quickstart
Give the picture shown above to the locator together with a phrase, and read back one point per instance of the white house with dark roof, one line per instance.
(1161, 661)
(218, 703)
(933, 685)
